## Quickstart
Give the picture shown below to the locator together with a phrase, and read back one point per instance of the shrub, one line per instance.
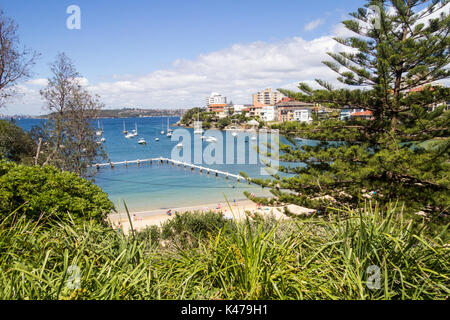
(15, 144)
(44, 192)
(151, 234)
(188, 228)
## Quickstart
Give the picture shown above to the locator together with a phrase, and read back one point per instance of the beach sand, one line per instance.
(234, 210)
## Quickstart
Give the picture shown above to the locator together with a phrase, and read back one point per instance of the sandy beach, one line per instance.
(233, 210)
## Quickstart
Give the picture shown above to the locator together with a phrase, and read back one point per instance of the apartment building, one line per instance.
(291, 110)
(216, 102)
(267, 97)
(268, 113)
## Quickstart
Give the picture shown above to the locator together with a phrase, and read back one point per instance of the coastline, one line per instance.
(232, 210)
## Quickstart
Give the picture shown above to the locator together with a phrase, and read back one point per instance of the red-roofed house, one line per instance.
(368, 115)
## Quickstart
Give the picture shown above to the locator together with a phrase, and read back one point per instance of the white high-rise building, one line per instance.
(215, 98)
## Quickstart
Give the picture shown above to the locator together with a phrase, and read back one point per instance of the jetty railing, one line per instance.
(162, 160)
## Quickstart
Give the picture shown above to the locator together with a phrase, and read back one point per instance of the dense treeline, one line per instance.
(395, 61)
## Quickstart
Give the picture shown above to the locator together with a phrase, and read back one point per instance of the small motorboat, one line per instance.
(156, 139)
(129, 135)
(180, 145)
(211, 139)
(254, 138)
(169, 134)
(142, 141)
(234, 134)
(102, 140)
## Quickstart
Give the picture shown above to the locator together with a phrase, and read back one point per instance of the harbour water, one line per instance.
(160, 186)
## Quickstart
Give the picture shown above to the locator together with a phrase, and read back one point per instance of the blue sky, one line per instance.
(138, 43)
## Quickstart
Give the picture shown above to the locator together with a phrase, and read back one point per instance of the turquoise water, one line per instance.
(159, 186)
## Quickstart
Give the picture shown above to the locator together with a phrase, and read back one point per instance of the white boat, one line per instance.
(99, 131)
(103, 140)
(162, 131)
(168, 126)
(254, 138)
(142, 141)
(169, 131)
(198, 130)
(211, 139)
(135, 131)
(234, 134)
(124, 129)
(180, 145)
(156, 139)
(129, 135)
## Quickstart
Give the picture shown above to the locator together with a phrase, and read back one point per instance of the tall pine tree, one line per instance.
(395, 61)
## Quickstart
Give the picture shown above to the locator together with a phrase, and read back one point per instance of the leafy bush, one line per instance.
(223, 123)
(46, 193)
(15, 144)
(151, 234)
(188, 228)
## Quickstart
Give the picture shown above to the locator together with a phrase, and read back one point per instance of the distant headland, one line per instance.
(134, 113)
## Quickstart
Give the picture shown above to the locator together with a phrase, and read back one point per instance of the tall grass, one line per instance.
(298, 259)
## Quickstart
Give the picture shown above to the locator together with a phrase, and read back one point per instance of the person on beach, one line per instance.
(169, 212)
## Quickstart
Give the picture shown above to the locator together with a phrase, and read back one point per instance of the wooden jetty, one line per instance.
(161, 160)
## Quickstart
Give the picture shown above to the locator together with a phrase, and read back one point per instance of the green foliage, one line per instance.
(47, 194)
(211, 119)
(15, 144)
(191, 115)
(186, 229)
(403, 153)
(151, 235)
(304, 259)
(70, 141)
(223, 123)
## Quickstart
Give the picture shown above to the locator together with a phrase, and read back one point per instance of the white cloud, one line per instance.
(237, 72)
(37, 82)
(314, 24)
